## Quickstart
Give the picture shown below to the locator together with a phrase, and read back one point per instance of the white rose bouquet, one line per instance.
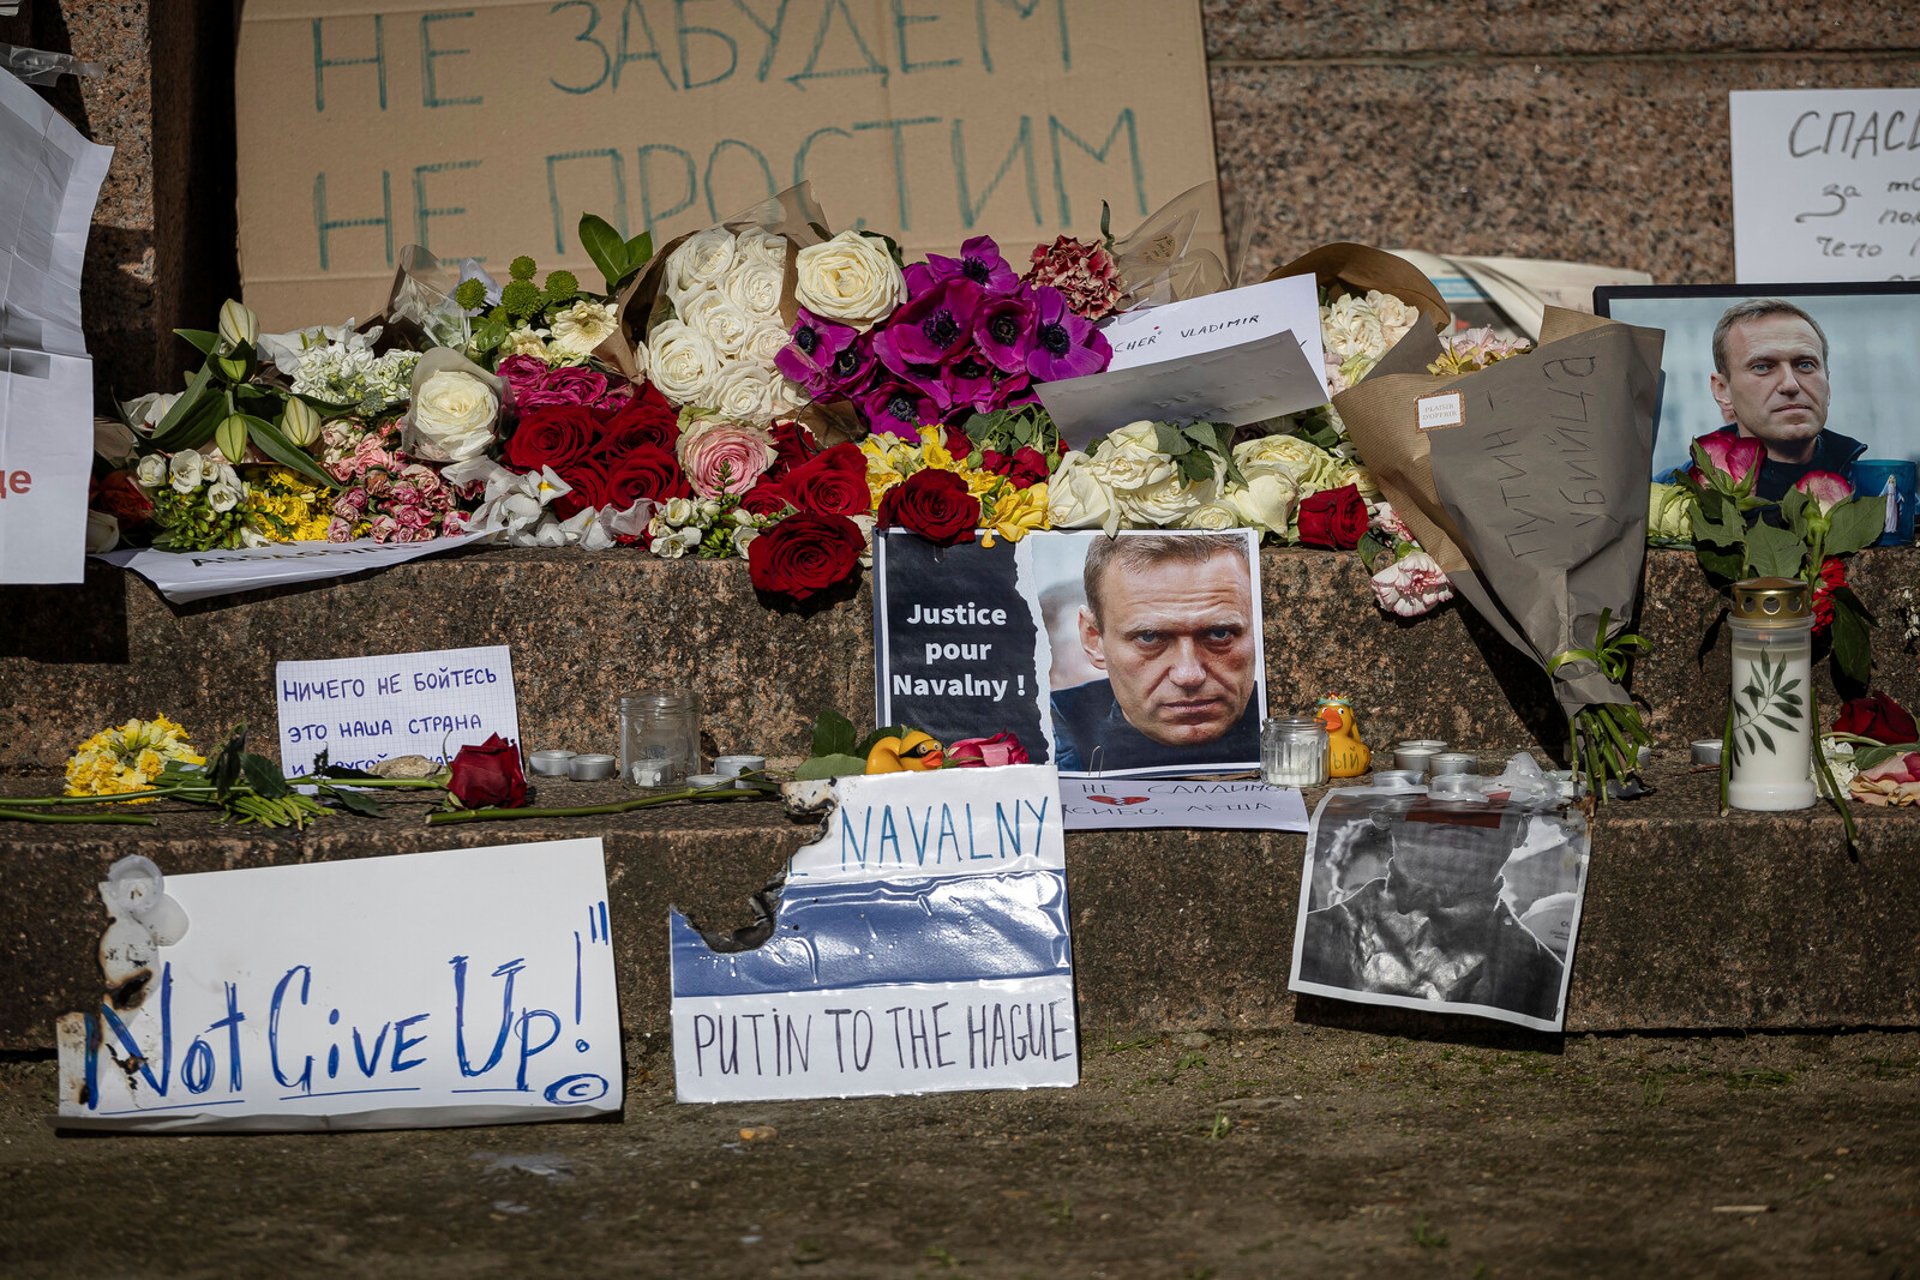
(715, 348)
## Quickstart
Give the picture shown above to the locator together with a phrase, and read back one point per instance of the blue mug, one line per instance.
(1896, 481)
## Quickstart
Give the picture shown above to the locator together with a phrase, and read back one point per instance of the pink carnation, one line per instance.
(1412, 585)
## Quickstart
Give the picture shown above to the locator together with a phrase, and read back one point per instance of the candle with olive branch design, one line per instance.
(1770, 729)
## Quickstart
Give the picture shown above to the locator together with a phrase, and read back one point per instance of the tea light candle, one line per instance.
(551, 764)
(1395, 779)
(651, 772)
(590, 768)
(705, 780)
(1417, 755)
(1705, 750)
(1453, 762)
(734, 766)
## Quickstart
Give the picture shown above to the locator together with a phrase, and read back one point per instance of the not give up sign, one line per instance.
(919, 946)
(472, 986)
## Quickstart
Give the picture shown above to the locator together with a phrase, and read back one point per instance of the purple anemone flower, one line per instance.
(809, 359)
(1003, 330)
(970, 382)
(1064, 345)
(898, 408)
(980, 262)
(930, 329)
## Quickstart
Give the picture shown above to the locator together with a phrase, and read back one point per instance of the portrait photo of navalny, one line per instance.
(1157, 664)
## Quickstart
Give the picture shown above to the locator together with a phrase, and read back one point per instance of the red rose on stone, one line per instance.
(793, 445)
(804, 554)
(488, 776)
(833, 483)
(645, 472)
(1027, 466)
(1879, 717)
(587, 487)
(645, 419)
(768, 498)
(1335, 519)
(555, 437)
(933, 504)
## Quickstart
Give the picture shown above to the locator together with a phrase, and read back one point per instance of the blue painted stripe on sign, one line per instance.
(951, 929)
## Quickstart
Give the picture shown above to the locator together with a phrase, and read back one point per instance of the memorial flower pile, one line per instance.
(716, 344)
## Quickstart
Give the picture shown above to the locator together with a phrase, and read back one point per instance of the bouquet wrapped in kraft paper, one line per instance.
(1527, 481)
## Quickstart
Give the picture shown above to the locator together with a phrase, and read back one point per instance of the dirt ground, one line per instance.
(1312, 1151)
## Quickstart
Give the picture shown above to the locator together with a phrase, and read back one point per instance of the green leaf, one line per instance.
(605, 246)
(274, 443)
(1774, 552)
(639, 249)
(263, 776)
(832, 734)
(865, 746)
(1793, 506)
(1170, 440)
(830, 766)
(183, 408)
(1852, 643)
(356, 802)
(1857, 523)
(1723, 564)
(201, 340)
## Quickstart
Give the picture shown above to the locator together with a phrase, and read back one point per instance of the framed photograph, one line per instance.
(1871, 372)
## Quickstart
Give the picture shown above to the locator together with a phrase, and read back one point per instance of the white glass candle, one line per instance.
(1772, 762)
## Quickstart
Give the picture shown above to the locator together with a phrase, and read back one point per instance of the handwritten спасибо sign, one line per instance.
(920, 946)
(1826, 184)
(473, 986)
(488, 129)
(361, 711)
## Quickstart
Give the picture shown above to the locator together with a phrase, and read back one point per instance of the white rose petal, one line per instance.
(722, 323)
(761, 249)
(454, 414)
(851, 278)
(1166, 503)
(682, 362)
(1266, 502)
(755, 288)
(1078, 499)
(701, 260)
(744, 392)
(1212, 515)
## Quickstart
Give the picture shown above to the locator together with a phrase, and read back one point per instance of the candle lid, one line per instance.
(1771, 602)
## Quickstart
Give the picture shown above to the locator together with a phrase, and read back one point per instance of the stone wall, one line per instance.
(1595, 133)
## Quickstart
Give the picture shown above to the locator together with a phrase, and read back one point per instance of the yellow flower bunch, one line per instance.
(1005, 510)
(283, 506)
(129, 758)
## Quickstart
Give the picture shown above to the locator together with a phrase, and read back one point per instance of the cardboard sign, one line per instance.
(1441, 906)
(46, 377)
(1094, 804)
(488, 128)
(1826, 184)
(970, 641)
(473, 986)
(920, 946)
(1241, 356)
(183, 576)
(361, 711)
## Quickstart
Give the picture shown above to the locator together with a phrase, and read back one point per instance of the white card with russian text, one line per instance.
(360, 711)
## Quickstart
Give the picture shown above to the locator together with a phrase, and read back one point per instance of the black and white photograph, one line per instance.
(1157, 663)
(1823, 374)
(1441, 905)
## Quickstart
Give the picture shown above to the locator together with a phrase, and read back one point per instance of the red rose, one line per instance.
(805, 553)
(933, 504)
(645, 419)
(833, 483)
(587, 487)
(987, 753)
(959, 443)
(645, 472)
(793, 444)
(1879, 717)
(552, 437)
(1333, 518)
(1832, 574)
(768, 498)
(1027, 466)
(488, 776)
(121, 498)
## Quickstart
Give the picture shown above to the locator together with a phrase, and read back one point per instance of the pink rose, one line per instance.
(522, 374)
(1412, 585)
(724, 457)
(455, 523)
(987, 753)
(571, 385)
(1825, 488)
(1736, 457)
(351, 505)
(422, 477)
(382, 528)
(339, 530)
(377, 481)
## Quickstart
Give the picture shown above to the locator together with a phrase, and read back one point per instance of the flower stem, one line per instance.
(122, 797)
(107, 819)
(589, 810)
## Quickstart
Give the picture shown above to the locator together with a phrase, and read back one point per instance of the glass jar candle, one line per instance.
(1293, 752)
(659, 736)
(1772, 725)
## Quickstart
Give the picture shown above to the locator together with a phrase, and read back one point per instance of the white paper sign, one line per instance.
(1214, 321)
(53, 176)
(474, 986)
(920, 946)
(1103, 804)
(183, 576)
(361, 711)
(1826, 184)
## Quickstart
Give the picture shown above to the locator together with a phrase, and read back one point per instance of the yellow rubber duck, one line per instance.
(1347, 756)
(911, 752)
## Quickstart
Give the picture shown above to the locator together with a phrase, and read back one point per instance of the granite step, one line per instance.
(1692, 922)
